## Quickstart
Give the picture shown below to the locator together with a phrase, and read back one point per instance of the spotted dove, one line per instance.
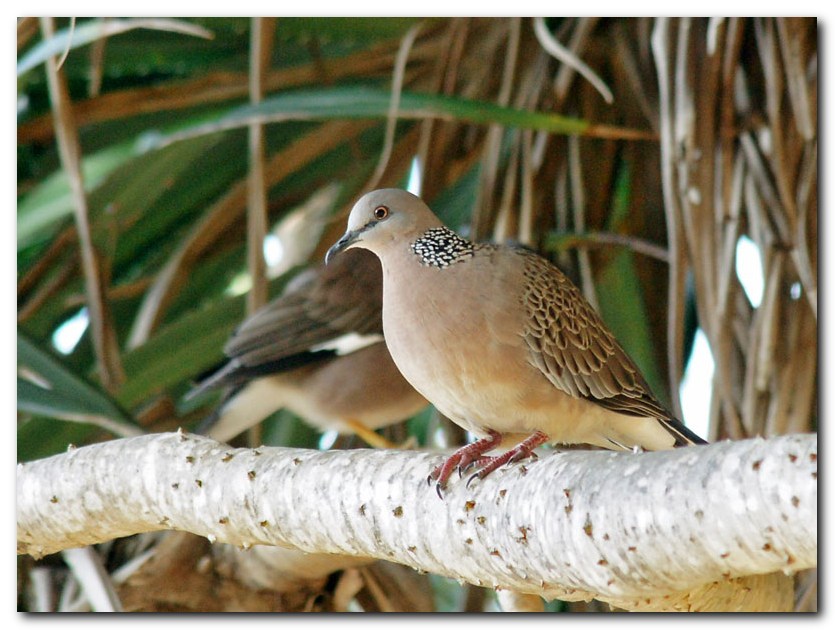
(318, 351)
(501, 342)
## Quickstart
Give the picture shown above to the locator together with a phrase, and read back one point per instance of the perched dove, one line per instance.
(501, 342)
(318, 351)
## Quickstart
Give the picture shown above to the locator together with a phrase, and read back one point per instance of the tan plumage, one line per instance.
(317, 350)
(500, 341)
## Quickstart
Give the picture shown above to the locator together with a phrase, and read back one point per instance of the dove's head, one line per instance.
(383, 218)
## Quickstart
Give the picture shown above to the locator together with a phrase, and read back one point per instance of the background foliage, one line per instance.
(134, 198)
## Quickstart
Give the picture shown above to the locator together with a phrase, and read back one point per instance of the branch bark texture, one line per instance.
(697, 528)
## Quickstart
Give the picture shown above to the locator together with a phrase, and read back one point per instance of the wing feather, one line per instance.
(319, 306)
(574, 348)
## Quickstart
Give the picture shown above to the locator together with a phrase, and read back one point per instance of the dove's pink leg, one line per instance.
(465, 456)
(520, 451)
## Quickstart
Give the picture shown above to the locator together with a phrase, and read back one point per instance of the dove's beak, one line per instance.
(348, 239)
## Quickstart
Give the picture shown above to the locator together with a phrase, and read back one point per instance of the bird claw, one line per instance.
(438, 490)
(468, 465)
(518, 457)
(470, 480)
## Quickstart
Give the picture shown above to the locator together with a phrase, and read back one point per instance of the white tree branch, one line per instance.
(663, 531)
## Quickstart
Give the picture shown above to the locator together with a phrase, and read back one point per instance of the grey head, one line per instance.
(383, 218)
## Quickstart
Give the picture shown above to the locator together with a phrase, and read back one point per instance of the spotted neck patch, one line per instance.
(441, 247)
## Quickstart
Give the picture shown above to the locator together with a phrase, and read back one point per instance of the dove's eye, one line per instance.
(381, 212)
